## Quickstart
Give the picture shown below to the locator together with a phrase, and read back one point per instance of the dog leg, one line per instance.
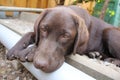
(20, 49)
(114, 61)
(111, 42)
(94, 55)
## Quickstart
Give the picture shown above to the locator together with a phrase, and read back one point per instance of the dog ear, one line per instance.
(37, 25)
(82, 36)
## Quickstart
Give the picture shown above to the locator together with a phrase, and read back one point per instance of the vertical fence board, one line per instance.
(51, 3)
(32, 3)
(9, 3)
(68, 2)
(43, 4)
(20, 3)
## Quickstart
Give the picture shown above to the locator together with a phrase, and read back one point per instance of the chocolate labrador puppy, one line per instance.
(61, 31)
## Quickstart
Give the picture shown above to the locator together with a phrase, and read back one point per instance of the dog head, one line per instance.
(59, 32)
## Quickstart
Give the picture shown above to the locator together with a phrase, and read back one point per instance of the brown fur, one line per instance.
(61, 31)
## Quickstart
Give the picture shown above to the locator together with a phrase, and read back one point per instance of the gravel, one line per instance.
(12, 70)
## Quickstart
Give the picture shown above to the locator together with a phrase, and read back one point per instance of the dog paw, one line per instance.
(113, 61)
(22, 55)
(94, 55)
(26, 54)
(11, 54)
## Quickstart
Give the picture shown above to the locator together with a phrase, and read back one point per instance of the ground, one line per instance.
(12, 70)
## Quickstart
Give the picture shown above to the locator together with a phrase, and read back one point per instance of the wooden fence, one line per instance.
(29, 3)
(42, 4)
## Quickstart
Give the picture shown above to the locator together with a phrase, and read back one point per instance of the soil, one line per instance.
(12, 70)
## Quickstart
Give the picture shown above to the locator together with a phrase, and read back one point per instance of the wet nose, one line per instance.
(41, 64)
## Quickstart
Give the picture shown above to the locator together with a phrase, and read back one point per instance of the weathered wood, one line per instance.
(7, 3)
(32, 3)
(68, 2)
(4, 8)
(95, 68)
(20, 3)
(43, 4)
(51, 3)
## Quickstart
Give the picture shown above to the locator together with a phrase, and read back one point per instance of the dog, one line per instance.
(66, 30)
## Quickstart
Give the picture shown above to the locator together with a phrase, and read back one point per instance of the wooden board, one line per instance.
(32, 3)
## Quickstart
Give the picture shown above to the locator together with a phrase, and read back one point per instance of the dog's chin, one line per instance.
(54, 67)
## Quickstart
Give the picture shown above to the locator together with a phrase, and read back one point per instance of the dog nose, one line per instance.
(41, 64)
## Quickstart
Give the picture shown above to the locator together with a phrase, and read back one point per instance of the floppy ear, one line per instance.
(37, 25)
(82, 36)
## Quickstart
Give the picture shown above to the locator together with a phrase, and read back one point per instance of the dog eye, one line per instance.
(66, 35)
(64, 38)
(43, 31)
(43, 28)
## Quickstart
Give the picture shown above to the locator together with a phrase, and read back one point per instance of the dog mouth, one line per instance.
(48, 66)
(51, 69)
